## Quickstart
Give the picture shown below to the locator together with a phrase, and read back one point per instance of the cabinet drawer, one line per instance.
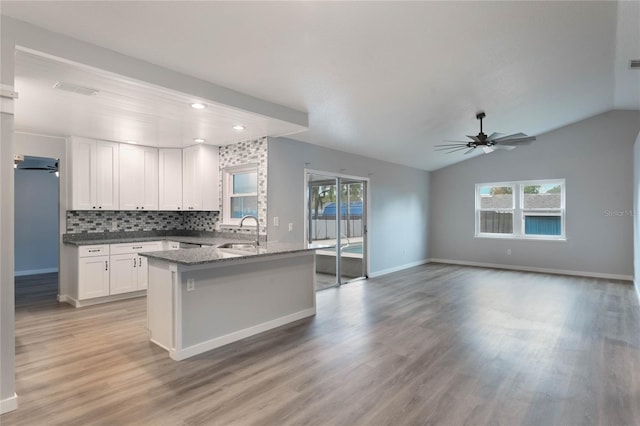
(89, 251)
(132, 248)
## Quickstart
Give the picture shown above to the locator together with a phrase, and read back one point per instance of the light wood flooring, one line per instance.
(435, 344)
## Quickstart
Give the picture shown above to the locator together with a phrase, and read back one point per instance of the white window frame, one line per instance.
(519, 212)
(227, 192)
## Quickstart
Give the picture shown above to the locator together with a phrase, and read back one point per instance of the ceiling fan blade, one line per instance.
(473, 138)
(452, 144)
(456, 150)
(487, 149)
(513, 136)
(494, 136)
(447, 140)
(452, 148)
(517, 141)
(470, 150)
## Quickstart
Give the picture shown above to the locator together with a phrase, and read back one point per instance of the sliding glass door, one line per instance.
(336, 217)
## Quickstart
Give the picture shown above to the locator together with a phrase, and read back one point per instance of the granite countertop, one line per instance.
(192, 256)
(203, 255)
(208, 238)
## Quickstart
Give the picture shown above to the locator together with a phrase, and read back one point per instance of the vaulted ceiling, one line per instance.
(387, 80)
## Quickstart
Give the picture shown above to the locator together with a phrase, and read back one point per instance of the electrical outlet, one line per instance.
(508, 252)
(191, 284)
(290, 227)
(276, 221)
(114, 225)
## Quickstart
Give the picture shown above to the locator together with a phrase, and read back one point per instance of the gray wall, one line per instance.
(399, 200)
(36, 222)
(595, 156)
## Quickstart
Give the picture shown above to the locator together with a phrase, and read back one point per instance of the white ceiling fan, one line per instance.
(487, 143)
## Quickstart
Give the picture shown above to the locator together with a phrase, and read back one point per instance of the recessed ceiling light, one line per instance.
(198, 105)
(238, 127)
(199, 140)
(132, 142)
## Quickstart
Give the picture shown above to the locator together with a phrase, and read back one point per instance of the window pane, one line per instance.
(546, 196)
(245, 182)
(496, 197)
(542, 225)
(242, 206)
(496, 222)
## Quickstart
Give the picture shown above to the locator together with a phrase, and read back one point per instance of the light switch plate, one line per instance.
(191, 284)
(290, 227)
(276, 221)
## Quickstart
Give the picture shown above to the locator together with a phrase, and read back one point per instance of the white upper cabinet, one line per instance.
(200, 181)
(170, 185)
(94, 174)
(138, 178)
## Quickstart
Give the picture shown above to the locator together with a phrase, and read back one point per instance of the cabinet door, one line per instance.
(93, 277)
(170, 179)
(210, 176)
(124, 273)
(191, 183)
(149, 181)
(83, 184)
(143, 273)
(131, 163)
(106, 176)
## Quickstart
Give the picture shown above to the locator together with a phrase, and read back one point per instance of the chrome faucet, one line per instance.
(257, 227)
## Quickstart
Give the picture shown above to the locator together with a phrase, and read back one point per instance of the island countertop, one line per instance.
(203, 255)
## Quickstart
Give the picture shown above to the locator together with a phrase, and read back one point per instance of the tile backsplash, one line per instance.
(248, 152)
(117, 221)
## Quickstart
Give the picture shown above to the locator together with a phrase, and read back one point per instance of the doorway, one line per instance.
(336, 217)
(36, 230)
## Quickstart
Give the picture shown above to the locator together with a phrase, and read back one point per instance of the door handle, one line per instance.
(106, 265)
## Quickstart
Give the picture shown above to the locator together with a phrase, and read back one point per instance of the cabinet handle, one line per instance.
(136, 247)
(137, 208)
(100, 207)
(94, 251)
(142, 208)
(106, 265)
(178, 208)
(140, 262)
(94, 207)
(134, 262)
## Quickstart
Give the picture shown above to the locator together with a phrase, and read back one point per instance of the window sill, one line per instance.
(525, 238)
(236, 225)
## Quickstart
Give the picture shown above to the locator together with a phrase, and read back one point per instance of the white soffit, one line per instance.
(122, 109)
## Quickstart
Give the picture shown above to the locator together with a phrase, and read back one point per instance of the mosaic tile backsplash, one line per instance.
(118, 221)
(248, 152)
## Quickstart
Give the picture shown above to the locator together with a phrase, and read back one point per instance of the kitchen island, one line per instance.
(203, 298)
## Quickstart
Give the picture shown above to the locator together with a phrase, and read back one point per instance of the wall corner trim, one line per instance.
(9, 404)
(534, 269)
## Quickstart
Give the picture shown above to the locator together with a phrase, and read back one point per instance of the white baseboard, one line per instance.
(180, 354)
(534, 269)
(9, 404)
(34, 272)
(397, 268)
(98, 300)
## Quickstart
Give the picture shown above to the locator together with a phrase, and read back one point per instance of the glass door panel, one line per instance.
(352, 230)
(322, 226)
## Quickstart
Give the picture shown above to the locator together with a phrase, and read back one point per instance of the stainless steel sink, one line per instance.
(238, 246)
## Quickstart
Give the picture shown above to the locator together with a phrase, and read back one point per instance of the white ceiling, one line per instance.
(383, 79)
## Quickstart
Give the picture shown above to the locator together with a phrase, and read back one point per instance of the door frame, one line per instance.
(367, 196)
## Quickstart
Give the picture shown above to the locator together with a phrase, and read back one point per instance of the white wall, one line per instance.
(399, 200)
(36, 222)
(595, 156)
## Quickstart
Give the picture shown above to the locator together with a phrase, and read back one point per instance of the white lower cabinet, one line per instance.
(93, 277)
(108, 270)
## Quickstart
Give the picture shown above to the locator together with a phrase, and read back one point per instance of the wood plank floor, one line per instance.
(436, 344)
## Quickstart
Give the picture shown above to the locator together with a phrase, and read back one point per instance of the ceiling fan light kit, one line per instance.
(488, 144)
